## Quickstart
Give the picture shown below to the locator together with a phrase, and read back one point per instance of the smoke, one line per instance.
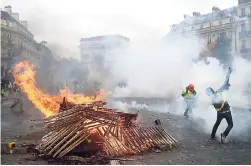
(62, 38)
(146, 66)
(164, 68)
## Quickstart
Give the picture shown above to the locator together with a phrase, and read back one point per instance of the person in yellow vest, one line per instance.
(222, 107)
(189, 96)
(10, 86)
(17, 99)
(2, 95)
(2, 92)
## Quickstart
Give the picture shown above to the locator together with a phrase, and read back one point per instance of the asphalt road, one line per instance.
(195, 146)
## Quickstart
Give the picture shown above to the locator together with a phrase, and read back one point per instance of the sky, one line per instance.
(64, 22)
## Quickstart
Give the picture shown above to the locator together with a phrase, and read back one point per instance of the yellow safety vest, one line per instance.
(189, 94)
(224, 98)
(10, 85)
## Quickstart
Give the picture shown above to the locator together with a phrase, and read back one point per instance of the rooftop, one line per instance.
(229, 12)
(103, 37)
(6, 16)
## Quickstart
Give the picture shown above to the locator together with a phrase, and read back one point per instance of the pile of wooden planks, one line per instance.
(117, 132)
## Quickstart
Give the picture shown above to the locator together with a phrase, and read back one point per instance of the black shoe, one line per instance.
(213, 137)
(223, 137)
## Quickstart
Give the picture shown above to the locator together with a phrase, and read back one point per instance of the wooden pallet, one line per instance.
(117, 131)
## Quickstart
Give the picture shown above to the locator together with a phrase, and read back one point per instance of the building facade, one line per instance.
(100, 51)
(234, 22)
(16, 39)
(244, 28)
(210, 26)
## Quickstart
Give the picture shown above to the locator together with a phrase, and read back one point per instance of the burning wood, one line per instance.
(114, 133)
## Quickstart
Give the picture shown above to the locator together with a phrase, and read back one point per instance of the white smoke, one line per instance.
(165, 68)
(146, 66)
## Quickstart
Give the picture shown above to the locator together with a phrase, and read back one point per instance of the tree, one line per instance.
(222, 50)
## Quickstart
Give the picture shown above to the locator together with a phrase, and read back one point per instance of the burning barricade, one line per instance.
(110, 132)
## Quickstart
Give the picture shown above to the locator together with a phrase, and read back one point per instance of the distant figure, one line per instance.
(4, 83)
(4, 88)
(17, 96)
(222, 107)
(189, 95)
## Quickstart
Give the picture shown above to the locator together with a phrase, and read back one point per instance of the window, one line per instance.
(201, 26)
(243, 12)
(229, 34)
(243, 45)
(208, 39)
(243, 28)
(210, 24)
(231, 20)
(222, 35)
(220, 22)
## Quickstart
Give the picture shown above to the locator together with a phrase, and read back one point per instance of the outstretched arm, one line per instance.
(183, 94)
(226, 84)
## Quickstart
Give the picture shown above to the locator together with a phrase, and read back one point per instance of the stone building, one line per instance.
(210, 26)
(244, 28)
(99, 52)
(234, 22)
(16, 40)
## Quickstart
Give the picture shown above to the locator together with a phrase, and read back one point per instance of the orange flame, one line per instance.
(24, 76)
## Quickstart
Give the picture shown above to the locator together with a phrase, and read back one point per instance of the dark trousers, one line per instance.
(228, 117)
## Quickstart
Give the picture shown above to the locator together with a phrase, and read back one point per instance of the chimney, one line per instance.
(25, 24)
(215, 9)
(186, 16)
(196, 14)
(8, 9)
(15, 16)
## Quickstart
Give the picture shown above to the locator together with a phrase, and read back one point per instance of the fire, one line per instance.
(24, 76)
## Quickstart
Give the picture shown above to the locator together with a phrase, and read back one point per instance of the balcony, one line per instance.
(216, 28)
(245, 50)
(240, 2)
(243, 34)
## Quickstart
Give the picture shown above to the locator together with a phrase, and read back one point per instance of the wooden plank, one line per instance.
(75, 144)
(69, 142)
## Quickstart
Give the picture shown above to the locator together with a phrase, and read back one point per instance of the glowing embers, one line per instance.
(111, 133)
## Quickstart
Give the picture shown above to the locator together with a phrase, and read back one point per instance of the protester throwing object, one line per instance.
(222, 107)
